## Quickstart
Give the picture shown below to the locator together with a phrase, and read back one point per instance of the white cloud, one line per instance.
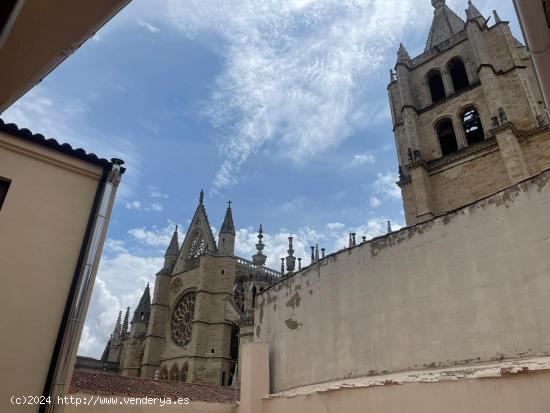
(362, 159)
(133, 205)
(374, 202)
(138, 206)
(148, 26)
(119, 284)
(156, 206)
(154, 192)
(155, 237)
(295, 70)
(294, 204)
(65, 120)
(386, 186)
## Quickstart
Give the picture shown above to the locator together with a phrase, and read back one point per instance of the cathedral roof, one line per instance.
(228, 226)
(143, 310)
(114, 385)
(446, 23)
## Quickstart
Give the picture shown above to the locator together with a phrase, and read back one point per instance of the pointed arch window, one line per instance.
(163, 374)
(184, 371)
(435, 83)
(446, 136)
(458, 73)
(471, 123)
(174, 373)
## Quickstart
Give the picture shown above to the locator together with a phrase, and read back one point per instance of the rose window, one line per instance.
(198, 246)
(182, 320)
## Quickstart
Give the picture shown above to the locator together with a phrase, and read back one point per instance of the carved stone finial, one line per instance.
(438, 3)
(364, 238)
(282, 265)
(323, 252)
(299, 264)
(389, 226)
(312, 254)
(290, 259)
(201, 197)
(316, 252)
(259, 258)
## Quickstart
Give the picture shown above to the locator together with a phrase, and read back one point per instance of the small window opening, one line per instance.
(447, 137)
(212, 351)
(223, 271)
(472, 126)
(437, 89)
(457, 70)
(4, 186)
(223, 378)
(142, 316)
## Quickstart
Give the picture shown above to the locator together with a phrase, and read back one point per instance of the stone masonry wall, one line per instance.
(468, 287)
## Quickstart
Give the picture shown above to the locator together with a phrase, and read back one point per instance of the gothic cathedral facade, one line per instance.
(201, 309)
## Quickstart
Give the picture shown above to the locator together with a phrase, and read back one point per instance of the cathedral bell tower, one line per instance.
(467, 114)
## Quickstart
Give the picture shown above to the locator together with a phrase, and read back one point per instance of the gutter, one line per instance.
(66, 344)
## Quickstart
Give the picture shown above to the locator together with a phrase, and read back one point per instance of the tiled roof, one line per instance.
(114, 385)
(38, 139)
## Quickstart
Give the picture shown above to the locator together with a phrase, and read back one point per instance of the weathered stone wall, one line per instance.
(467, 287)
(520, 393)
(466, 181)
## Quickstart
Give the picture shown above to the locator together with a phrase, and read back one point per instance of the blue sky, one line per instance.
(279, 105)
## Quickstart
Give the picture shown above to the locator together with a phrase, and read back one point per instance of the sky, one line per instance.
(277, 105)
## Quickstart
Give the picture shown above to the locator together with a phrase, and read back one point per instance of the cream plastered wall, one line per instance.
(42, 226)
(192, 407)
(521, 393)
(468, 287)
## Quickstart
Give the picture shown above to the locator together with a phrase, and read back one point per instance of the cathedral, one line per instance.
(469, 121)
(201, 309)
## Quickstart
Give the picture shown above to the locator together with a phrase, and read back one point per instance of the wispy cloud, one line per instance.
(67, 121)
(148, 26)
(154, 236)
(362, 159)
(295, 70)
(385, 185)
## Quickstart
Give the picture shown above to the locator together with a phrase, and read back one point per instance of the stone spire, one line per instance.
(201, 197)
(117, 331)
(259, 258)
(105, 354)
(446, 23)
(118, 324)
(403, 55)
(174, 247)
(497, 17)
(228, 226)
(125, 322)
(226, 238)
(290, 259)
(389, 226)
(473, 13)
(172, 252)
(143, 310)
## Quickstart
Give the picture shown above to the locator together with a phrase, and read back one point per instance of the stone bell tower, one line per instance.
(468, 114)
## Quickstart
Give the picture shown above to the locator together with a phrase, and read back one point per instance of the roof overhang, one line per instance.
(37, 35)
